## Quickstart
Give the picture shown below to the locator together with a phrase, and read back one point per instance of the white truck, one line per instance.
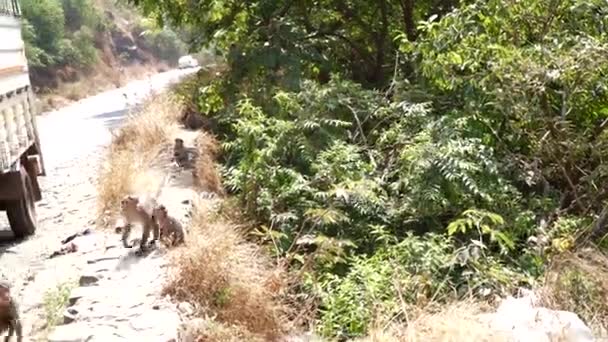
(20, 154)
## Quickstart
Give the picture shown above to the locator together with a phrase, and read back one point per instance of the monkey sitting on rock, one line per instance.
(9, 314)
(183, 156)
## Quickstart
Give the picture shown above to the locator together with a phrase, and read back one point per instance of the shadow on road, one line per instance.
(8, 241)
(111, 119)
(135, 256)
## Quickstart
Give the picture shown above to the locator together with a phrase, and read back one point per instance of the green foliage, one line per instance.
(163, 42)
(284, 40)
(45, 29)
(58, 33)
(36, 56)
(360, 143)
(55, 301)
(410, 272)
(79, 51)
(79, 13)
(482, 223)
(383, 283)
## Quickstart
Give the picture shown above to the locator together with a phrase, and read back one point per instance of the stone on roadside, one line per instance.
(524, 322)
(88, 279)
(69, 315)
(185, 308)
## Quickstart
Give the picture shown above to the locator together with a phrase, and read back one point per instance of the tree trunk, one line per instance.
(407, 8)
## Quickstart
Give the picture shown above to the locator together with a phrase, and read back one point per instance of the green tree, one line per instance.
(311, 38)
(48, 23)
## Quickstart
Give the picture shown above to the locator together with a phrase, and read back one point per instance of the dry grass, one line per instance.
(135, 148)
(231, 278)
(458, 321)
(206, 170)
(578, 282)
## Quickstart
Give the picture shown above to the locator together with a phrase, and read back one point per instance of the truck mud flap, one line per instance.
(11, 185)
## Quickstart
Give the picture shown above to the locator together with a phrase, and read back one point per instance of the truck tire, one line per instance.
(22, 213)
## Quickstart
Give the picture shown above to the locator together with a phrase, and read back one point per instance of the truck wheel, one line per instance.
(22, 213)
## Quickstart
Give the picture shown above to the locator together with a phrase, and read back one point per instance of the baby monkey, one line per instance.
(9, 314)
(170, 228)
(134, 212)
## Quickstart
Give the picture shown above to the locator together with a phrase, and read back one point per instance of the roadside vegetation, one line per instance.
(77, 48)
(396, 162)
(55, 302)
(136, 148)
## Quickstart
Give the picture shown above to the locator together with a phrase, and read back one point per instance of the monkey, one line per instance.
(134, 212)
(170, 228)
(180, 153)
(9, 314)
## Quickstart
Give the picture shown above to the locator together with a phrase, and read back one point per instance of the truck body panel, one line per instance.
(18, 130)
(20, 154)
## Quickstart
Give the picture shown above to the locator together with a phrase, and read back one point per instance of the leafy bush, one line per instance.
(79, 50)
(403, 273)
(79, 13)
(59, 33)
(64, 38)
(48, 22)
(163, 42)
(484, 142)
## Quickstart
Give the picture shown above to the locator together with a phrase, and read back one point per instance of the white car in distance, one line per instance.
(187, 62)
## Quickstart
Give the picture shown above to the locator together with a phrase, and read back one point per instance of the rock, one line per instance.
(88, 279)
(523, 321)
(78, 332)
(70, 315)
(185, 308)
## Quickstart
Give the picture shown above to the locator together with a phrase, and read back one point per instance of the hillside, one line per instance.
(79, 47)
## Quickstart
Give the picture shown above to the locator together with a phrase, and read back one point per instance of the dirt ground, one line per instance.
(73, 140)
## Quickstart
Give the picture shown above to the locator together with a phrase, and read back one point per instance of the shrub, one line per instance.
(48, 22)
(488, 132)
(221, 273)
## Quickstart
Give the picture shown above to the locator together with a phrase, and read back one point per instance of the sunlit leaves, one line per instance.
(480, 223)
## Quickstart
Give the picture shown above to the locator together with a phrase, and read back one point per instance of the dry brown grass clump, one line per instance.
(578, 282)
(228, 277)
(206, 170)
(456, 322)
(135, 148)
